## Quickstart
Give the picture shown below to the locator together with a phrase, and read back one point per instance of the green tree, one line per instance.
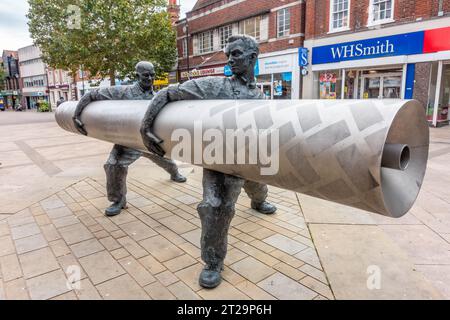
(2, 78)
(106, 37)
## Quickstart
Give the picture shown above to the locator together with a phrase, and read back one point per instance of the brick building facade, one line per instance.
(278, 27)
(60, 84)
(380, 49)
(11, 90)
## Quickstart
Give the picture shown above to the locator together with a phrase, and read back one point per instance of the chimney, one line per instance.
(174, 11)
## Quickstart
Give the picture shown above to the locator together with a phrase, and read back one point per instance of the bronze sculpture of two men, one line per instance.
(220, 191)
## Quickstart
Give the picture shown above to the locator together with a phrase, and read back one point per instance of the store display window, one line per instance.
(330, 84)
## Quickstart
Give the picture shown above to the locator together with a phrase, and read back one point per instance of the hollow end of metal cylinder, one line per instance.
(396, 156)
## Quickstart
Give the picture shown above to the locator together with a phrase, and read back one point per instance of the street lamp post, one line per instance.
(186, 31)
(82, 79)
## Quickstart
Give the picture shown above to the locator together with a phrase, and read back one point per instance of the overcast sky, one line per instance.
(13, 23)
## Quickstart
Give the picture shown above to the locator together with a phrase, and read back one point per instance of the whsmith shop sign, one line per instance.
(396, 45)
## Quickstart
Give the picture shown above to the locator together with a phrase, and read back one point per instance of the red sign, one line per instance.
(202, 72)
(328, 77)
(436, 40)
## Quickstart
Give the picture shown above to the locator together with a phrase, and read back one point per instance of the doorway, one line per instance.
(381, 86)
(266, 88)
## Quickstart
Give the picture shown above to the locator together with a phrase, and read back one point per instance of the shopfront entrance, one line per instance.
(266, 88)
(383, 83)
(375, 85)
(439, 101)
(276, 86)
(278, 74)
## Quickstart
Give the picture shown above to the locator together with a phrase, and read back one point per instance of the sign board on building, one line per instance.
(277, 64)
(202, 72)
(436, 40)
(401, 44)
(36, 94)
(303, 57)
(396, 45)
(59, 86)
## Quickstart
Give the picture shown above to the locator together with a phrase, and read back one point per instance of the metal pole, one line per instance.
(438, 93)
(187, 49)
(300, 92)
(404, 75)
(82, 78)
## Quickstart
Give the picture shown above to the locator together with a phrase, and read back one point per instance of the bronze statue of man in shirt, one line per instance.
(121, 157)
(220, 191)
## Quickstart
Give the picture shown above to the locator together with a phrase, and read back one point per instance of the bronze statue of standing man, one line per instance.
(220, 191)
(121, 157)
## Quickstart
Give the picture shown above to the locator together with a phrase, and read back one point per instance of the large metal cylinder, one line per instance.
(328, 149)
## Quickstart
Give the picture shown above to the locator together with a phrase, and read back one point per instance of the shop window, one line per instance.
(381, 84)
(351, 85)
(50, 78)
(284, 22)
(264, 83)
(282, 85)
(225, 32)
(330, 83)
(251, 27)
(276, 86)
(381, 11)
(444, 96)
(392, 87)
(339, 15)
(371, 88)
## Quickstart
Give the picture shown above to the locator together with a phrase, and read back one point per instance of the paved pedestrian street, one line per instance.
(151, 250)
(56, 243)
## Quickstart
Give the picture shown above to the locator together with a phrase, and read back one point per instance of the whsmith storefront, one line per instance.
(406, 61)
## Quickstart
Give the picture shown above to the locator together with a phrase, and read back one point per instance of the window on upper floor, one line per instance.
(225, 32)
(184, 47)
(283, 22)
(339, 15)
(205, 42)
(66, 77)
(381, 11)
(251, 27)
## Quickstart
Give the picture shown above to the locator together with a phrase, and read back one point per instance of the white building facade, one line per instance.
(33, 76)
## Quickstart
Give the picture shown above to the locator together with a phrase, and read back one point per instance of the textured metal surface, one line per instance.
(328, 149)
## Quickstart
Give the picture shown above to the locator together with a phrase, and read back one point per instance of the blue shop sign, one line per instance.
(303, 57)
(397, 45)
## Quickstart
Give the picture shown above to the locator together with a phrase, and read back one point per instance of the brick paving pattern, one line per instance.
(151, 250)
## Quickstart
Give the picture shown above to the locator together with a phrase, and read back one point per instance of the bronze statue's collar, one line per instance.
(143, 90)
(251, 84)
